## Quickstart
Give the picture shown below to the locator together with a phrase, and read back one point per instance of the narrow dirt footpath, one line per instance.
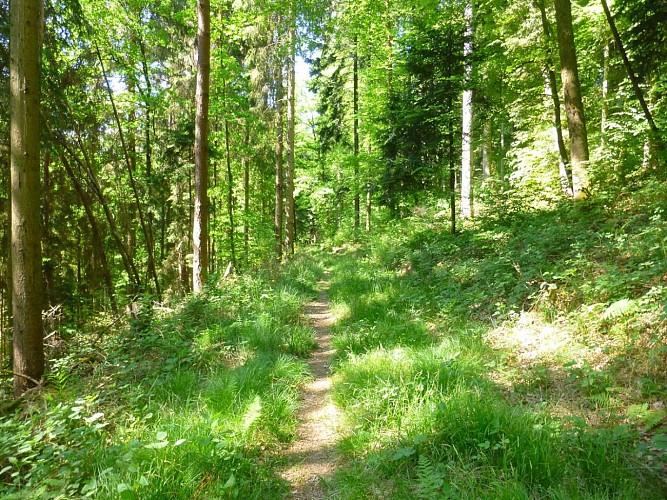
(312, 457)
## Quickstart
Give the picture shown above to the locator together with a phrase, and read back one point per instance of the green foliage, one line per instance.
(186, 405)
(435, 409)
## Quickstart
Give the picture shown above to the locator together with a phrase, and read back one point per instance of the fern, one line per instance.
(429, 479)
(623, 307)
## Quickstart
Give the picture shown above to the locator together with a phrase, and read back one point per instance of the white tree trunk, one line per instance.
(466, 139)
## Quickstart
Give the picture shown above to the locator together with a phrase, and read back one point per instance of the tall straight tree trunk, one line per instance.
(551, 87)
(604, 115)
(574, 107)
(27, 280)
(466, 137)
(230, 198)
(246, 195)
(290, 219)
(564, 172)
(201, 203)
(368, 196)
(355, 98)
(452, 167)
(278, 214)
(487, 145)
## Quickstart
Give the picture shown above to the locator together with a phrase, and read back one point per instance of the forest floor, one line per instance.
(312, 458)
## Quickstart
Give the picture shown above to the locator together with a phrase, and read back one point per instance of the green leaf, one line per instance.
(403, 452)
(125, 492)
(157, 445)
(231, 482)
(161, 436)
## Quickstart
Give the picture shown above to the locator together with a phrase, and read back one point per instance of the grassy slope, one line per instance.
(523, 358)
(190, 403)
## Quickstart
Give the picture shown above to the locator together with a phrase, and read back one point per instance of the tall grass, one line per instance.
(191, 403)
(430, 404)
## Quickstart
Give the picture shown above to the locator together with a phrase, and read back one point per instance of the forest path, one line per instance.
(312, 458)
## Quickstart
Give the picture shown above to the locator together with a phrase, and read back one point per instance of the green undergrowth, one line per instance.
(521, 358)
(189, 401)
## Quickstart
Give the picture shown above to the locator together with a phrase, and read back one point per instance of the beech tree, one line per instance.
(574, 106)
(27, 280)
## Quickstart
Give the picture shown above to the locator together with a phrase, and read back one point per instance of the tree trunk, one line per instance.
(137, 201)
(95, 231)
(278, 217)
(201, 204)
(574, 107)
(628, 67)
(355, 98)
(487, 145)
(452, 167)
(564, 173)
(230, 198)
(246, 195)
(27, 280)
(290, 219)
(551, 87)
(604, 115)
(466, 138)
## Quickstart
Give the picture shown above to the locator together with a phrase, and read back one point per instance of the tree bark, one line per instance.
(355, 98)
(290, 219)
(574, 107)
(466, 137)
(201, 202)
(278, 217)
(246, 195)
(27, 280)
(564, 170)
(230, 198)
(604, 114)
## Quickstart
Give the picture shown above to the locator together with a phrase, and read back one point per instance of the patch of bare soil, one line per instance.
(312, 458)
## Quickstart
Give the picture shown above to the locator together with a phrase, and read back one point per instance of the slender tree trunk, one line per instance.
(278, 217)
(564, 173)
(48, 266)
(126, 256)
(201, 202)
(142, 219)
(27, 280)
(466, 145)
(95, 231)
(452, 168)
(574, 107)
(355, 98)
(230, 198)
(487, 146)
(628, 67)
(290, 219)
(604, 115)
(246, 195)
(551, 87)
